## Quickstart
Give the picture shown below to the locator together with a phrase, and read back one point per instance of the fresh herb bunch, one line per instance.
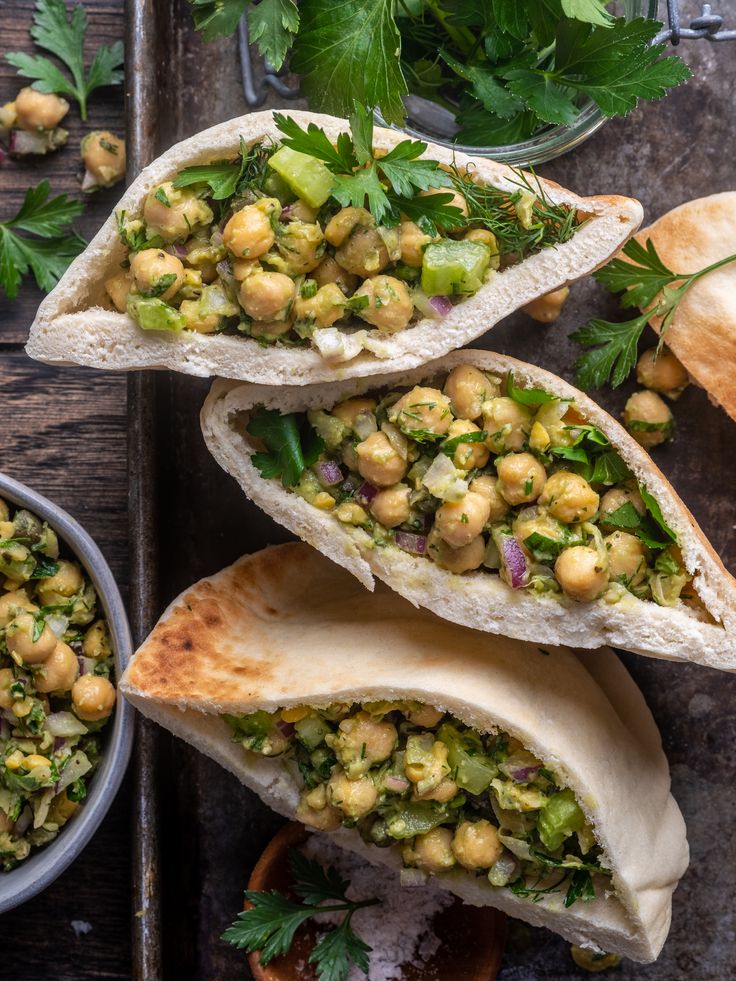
(271, 923)
(54, 245)
(507, 68)
(646, 282)
(63, 35)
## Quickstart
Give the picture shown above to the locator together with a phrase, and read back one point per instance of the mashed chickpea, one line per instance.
(459, 522)
(467, 389)
(391, 506)
(476, 845)
(569, 497)
(423, 410)
(582, 573)
(379, 462)
(521, 478)
(390, 306)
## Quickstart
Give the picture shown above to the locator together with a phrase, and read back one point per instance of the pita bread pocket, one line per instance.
(277, 652)
(531, 511)
(235, 304)
(703, 331)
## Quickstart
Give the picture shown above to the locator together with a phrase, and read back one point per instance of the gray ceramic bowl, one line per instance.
(43, 866)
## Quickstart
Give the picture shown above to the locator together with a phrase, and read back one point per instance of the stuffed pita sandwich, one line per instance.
(527, 778)
(491, 492)
(284, 251)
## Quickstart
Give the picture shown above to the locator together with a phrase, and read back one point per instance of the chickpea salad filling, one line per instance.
(407, 775)
(472, 472)
(56, 685)
(302, 242)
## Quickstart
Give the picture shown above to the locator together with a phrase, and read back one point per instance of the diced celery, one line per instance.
(558, 819)
(307, 177)
(470, 767)
(278, 188)
(450, 267)
(411, 818)
(151, 313)
(311, 730)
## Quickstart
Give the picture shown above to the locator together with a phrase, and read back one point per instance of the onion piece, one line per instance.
(397, 439)
(365, 493)
(514, 564)
(24, 821)
(77, 766)
(365, 423)
(396, 784)
(329, 473)
(443, 480)
(442, 304)
(409, 542)
(64, 725)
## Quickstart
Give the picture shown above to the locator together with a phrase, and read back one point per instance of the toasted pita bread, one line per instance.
(477, 599)
(703, 331)
(75, 324)
(286, 627)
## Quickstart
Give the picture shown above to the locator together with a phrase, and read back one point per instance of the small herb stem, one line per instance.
(346, 907)
(708, 269)
(460, 35)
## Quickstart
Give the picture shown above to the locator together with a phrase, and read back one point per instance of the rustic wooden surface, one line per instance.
(65, 434)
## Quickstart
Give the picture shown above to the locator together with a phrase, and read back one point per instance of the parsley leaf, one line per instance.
(291, 442)
(592, 11)
(656, 512)
(269, 926)
(272, 25)
(46, 256)
(350, 51)
(314, 141)
(217, 18)
(581, 887)
(526, 396)
(335, 951)
(312, 882)
(614, 351)
(63, 34)
(221, 177)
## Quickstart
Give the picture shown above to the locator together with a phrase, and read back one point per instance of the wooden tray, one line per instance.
(197, 831)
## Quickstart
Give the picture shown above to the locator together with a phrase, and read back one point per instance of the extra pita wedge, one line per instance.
(285, 629)
(656, 587)
(212, 288)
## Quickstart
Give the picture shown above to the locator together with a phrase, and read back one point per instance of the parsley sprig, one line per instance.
(63, 35)
(271, 923)
(46, 255)
(291, 444)
(646, 283)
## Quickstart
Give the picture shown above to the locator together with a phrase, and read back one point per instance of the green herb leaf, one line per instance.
(656, 512)
(544, 549)
(217, 18)
(581, 887)
(487, 89)
(63, 35)
(351, 51)
(551, 101)
(450, 445)
(592, 11)
(47, 256)
(613, 351)
(314, 141)
(335, 951)
(269, 926)
(361, 188)
(313, 883)
(640, 280)
(526, 396)
(609, 469)
(221, 177)
(272, 25)
(292, 444)
(407, 174)
(45, 567)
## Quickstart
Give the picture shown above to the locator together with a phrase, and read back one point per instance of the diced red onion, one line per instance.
(329, 473)
(179, 250)
(58, 743)
(285, 728)
(416, 544)
(523, 774)
(396, 784)
(82, 662)
(365, 493)
(515, 563)
(23, 142)
(24, 821)
(350, 484)
(216, 237)
(442, 304)
(286, 213)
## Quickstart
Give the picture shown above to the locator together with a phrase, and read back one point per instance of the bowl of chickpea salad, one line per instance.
(291, 247)
(477, 474)
(65, 737)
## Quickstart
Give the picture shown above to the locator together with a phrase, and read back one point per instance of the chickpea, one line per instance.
(13, 603)
(467, 456)
(569, 497)
(39, 110)
(175, 213)
(615, 498)
(249, 233)
(476, 845)
(459, 522)
(443, 792)
(361, 742)
(149, 269)
(390, 507)
(314, 811)
(103, 155)
(507, 423)
(324, 308)
(648, 419)
(422, 410)
(6, 680)
(364, 253)
(117, 288)
(301, 211)
(355, 798)
(413, 243)
(546, 309)
(66, 581)
(301, 247)
(242, 268)
(378, 461)
(457, 560)
(488, 487)
(328, 271)
(425, 716)
(661, 373)
(581, 573)
(627, 558)
(433, 768)
(390, 306)
(591, 960)
(202, 323)
(19, 638)
(349, 410)
(342, 225)
(431, 852)
(8, 116)
(96, 641)
(467, 389)
(521, 478)
(267, 295)
(487, 238)
(93, 697)
(59, 671)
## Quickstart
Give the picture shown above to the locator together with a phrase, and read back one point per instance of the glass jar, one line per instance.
(545, 145)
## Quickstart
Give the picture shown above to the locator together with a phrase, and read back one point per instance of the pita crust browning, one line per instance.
(74, 324)
(286, 627)
(703, 331)
(479, 599)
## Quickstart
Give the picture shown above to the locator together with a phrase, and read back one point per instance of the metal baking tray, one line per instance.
(197, 831)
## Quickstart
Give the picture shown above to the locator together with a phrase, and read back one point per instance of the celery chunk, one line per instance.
(451, 267)
(307, 177)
